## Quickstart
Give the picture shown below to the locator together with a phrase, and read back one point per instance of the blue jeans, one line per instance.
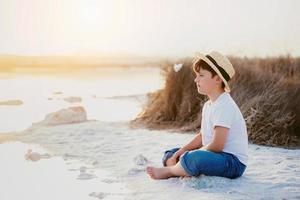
(209, 163)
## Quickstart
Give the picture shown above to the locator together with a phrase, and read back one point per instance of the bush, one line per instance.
(267, 90)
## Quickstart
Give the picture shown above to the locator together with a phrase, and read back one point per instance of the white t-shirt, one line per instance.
(224, 112)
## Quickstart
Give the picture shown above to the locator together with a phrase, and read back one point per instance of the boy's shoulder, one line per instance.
(224, 103)
(224, 100)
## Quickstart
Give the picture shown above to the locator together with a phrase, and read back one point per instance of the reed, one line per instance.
(267, 90)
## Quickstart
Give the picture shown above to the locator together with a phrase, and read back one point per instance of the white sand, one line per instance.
(273, 173)
(72, 99)
(64, 116)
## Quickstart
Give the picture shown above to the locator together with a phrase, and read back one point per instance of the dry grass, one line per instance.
(266, 90)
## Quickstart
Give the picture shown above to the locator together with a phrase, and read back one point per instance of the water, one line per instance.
(107, 95)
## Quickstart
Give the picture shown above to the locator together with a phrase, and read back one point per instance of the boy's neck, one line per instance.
(215, 94)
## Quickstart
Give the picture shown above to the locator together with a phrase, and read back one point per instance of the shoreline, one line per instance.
(49, 177)
(8, 137)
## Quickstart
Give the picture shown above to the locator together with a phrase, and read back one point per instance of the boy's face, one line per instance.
(205, 82)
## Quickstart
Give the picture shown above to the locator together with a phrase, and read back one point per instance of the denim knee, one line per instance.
(235, 167)
(198, 162)
(211, 164)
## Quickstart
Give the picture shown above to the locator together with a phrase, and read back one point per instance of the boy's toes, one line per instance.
(150, 171)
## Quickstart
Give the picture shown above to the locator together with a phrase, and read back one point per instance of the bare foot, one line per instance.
(159, 173)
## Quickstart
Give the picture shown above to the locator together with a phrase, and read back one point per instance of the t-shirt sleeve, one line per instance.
(223, 116)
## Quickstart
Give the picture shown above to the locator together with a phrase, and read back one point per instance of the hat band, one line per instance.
(223, 72)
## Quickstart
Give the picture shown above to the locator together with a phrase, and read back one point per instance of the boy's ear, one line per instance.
(218, 79)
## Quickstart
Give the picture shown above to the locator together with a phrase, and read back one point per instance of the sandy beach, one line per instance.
(83, 162)
(53, 149)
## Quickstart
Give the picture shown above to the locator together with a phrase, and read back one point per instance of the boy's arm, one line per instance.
(219, 140)
(196, 143)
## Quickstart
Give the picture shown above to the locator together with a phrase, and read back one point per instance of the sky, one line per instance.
(150, 27)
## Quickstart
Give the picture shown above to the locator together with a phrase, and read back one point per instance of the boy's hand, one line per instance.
(172, 160)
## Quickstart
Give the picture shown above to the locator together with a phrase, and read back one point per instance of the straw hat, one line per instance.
(220, 64)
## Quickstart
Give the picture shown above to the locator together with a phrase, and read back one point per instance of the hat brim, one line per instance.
(199, 57)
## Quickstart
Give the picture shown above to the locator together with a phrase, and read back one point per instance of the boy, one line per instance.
(220, 148)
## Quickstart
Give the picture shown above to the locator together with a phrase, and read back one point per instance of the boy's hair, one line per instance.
(201, 64)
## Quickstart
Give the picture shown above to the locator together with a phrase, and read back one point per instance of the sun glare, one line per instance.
(94, 15)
